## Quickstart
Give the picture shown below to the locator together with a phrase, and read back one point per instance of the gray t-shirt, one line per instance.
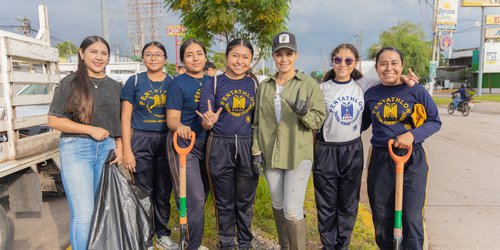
(106, 104)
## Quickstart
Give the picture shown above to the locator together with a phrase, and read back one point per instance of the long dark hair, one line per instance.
(389, 48)
(188, 42)
(81, 103)
(355, 74)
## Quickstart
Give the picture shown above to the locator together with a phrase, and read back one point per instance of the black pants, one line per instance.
(337, 180)
(153, 175)
(233, 183)
(381, 185)
(196, 187)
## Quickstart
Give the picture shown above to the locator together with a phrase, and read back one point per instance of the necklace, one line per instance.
(151, 85)
(200, 82)
(95, 83)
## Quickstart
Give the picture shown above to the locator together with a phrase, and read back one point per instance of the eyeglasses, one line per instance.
(157, 55)
(348, 61)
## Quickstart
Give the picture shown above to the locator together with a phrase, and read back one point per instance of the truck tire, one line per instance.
(6, 230)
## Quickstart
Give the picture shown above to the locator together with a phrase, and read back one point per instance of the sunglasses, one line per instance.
(339, 60)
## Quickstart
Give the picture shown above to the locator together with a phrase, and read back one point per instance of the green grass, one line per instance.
(263, 222)
(440, 100)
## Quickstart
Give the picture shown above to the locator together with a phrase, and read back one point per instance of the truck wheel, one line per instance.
(6, 230)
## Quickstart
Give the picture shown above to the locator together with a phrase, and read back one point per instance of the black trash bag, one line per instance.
(122, 212)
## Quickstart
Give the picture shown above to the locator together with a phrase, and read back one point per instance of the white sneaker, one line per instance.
(203, 248)
(151, 248)
(167, 243)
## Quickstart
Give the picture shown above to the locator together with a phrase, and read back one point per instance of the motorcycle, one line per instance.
(464, 107)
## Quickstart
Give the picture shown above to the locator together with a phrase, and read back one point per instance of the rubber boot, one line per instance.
(280, 221)
(297, 234)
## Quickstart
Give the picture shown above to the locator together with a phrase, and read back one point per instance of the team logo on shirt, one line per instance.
(153, 100)
(391, 110)
(197, 96)
(238, 102)
(346, 110)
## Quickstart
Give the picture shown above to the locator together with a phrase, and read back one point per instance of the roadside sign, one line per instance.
(492, 19)
(480, 3)
(446, 19)
(175, 30)
(445, 43)
(433, 69)
(492, 33)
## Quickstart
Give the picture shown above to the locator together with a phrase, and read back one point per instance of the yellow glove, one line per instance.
(419, 115)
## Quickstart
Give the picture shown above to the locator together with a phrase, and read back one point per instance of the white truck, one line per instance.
(29, 153)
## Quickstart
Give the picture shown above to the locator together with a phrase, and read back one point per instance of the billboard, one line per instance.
(175, 30)
(481, 3)
(491, 58)
(492, 33)
(446, 19)
(492, 19)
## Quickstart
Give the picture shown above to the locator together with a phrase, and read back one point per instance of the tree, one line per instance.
(66, 48)
(254, 20)
(409, 38)
(317, 75)
(219, 59)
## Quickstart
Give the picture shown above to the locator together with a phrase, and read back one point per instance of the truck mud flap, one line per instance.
(25, 193)
(6, 230)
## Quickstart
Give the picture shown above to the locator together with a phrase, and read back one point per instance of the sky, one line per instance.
(319, 25)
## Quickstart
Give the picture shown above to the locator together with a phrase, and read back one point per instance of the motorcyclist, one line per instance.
(464, 95)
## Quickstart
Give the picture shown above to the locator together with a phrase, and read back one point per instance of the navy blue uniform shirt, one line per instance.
(148, 99)
(237, 99)
(389, 110)
(183, 95)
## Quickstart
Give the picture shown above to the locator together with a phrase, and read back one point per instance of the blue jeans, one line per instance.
(82, 160)
(456, 101)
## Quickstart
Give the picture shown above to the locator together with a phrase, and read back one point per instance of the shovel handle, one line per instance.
(399, 160)
(183, 152)
(398, 201)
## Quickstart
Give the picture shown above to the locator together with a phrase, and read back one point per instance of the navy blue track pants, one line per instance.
(337, 180)
(381, 192)
(233, 183)
(152, 175)
(196, 187)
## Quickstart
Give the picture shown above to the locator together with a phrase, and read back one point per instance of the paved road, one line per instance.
(463, 204)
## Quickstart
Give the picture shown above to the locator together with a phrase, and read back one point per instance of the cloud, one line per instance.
(319, 25)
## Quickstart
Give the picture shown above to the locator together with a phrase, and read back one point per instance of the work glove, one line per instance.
(299, 106)
(419, 115)
(258, 164)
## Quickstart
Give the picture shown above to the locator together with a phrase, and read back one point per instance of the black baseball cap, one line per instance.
(284, 40)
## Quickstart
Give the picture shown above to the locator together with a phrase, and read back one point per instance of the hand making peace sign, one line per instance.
(209, 117)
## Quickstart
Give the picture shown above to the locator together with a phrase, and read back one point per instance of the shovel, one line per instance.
(400, 161)
(183, 152)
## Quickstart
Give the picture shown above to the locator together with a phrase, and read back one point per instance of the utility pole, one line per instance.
(358, 43)
(435, 47)
(105, 20)
(360, 49)
(481, 55)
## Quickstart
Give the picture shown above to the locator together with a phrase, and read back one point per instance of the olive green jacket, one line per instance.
(286, 144)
